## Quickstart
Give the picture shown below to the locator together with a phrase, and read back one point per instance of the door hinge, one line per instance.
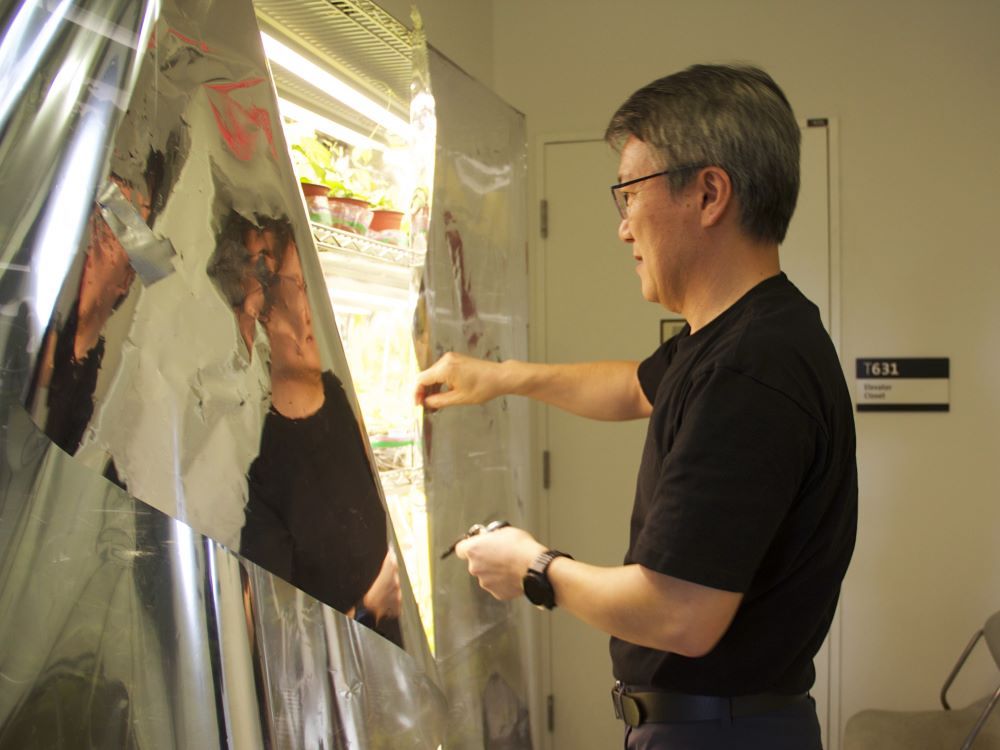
(550, 710)
(546, 470)
(544, 218)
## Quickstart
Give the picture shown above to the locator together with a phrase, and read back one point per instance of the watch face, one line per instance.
(538, 590)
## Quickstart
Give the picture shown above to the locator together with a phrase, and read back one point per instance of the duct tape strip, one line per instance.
(150, 255)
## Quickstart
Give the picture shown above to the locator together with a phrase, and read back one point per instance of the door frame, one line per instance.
(542, 631)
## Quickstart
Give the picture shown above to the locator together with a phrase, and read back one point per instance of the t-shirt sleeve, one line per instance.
(651, 371)
(726, 482)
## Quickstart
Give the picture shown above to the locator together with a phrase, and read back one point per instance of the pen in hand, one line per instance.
(476, 528)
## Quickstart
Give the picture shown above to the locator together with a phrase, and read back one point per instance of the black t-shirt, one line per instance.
(748, 483)
(314, 516)
(72, 386)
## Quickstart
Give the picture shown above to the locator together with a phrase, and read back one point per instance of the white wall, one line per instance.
(915, 88)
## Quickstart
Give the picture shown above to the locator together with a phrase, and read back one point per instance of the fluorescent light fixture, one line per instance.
(314, 75)
(324, 125)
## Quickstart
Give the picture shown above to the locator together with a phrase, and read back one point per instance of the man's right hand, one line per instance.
(458, 379)
(607, 390)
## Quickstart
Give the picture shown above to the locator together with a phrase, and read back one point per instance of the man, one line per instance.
(746, 501)
(313, 515)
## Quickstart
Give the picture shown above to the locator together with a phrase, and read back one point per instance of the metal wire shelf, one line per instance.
(337, 240)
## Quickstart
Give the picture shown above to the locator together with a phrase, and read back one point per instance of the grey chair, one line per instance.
(947, 729)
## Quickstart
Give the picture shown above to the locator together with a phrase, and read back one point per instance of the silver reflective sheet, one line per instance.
(174, 391)
(476, 302)
(123, 628)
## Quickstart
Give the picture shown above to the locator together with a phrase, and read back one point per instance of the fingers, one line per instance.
(462, 549)
(442, 399)
(424, 395)
(479, 569)
(494, 560)
(428, 383)
(441, 375)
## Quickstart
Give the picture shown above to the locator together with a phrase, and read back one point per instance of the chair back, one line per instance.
(991, 632)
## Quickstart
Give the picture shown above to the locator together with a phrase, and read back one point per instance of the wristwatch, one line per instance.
(536, 584)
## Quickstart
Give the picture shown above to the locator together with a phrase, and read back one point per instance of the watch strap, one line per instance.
(539, 590)
(541, 563)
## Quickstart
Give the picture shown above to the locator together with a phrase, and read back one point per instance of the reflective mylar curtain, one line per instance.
(475, 297)
(173, 393)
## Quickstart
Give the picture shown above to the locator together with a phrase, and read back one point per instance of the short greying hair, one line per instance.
(734, 117)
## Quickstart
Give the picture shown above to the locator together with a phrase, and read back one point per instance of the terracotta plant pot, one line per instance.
(350, 214)
(385, 227)
(310, 189)
(383, 218)
(316, 202)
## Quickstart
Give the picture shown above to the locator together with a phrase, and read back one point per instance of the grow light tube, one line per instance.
(324, 125)
(315, 76)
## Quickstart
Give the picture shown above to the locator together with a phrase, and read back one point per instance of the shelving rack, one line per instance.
(331, 239)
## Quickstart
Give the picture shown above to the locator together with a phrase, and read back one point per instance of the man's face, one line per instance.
(288, 320)
(262, 246)
(261, 262)
(658, 227)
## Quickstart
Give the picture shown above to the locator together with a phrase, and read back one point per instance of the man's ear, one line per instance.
(716, 191)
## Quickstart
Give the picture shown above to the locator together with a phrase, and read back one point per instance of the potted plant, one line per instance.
(317, 202)
(387, 225)
(385, 219)
(311, 159)
(352, 183)
(349, 211)
(335, 182)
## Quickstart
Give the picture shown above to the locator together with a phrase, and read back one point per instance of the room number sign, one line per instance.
(903, 384)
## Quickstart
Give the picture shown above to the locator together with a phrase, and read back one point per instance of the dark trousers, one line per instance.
(793, 728)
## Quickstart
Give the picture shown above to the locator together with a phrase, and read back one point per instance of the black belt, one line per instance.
(638, 706)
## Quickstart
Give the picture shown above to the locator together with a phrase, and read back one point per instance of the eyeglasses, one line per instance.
(621, 198)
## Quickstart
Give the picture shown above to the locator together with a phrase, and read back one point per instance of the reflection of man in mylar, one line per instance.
(313, 515)
(74, 347)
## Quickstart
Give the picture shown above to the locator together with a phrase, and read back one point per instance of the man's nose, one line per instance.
(624, 231)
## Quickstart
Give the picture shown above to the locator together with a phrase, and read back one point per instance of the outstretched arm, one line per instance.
(630, 602)
(606, 390)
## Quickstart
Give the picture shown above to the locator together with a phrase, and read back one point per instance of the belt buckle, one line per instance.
(627, 708)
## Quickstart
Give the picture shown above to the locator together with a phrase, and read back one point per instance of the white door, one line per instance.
(590, 307)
